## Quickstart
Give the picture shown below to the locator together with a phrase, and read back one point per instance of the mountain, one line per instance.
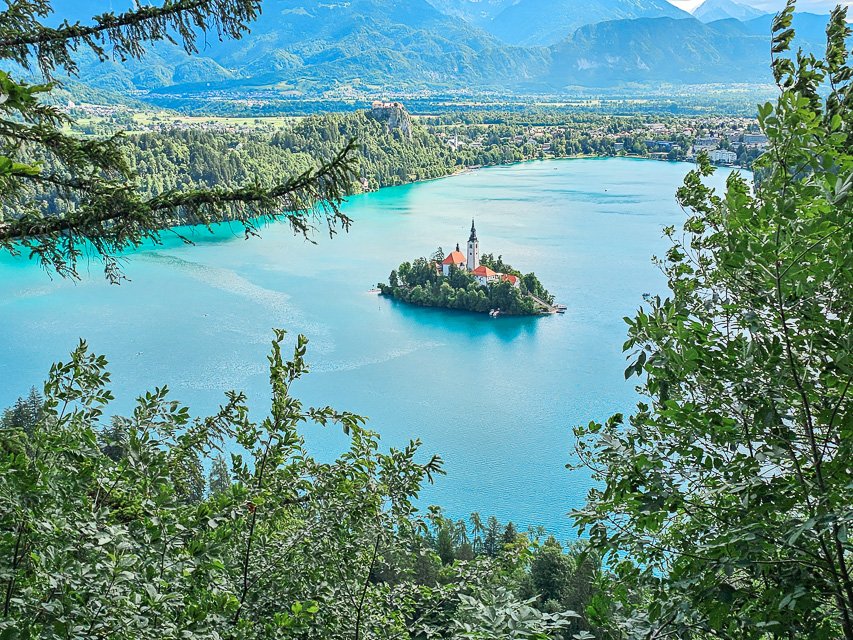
(654, 50)
(712, 10)
(317, 44)
(665, 50)
(477, 12)
(546, 22)
(383, 47)
(381, 42)
(810, 28)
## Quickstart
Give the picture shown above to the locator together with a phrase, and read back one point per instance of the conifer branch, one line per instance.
(23, 38)
(112, 217)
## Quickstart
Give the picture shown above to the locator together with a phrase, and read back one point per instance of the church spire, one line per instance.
(473, 249)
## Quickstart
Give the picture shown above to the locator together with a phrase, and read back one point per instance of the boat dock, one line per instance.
(548, 308)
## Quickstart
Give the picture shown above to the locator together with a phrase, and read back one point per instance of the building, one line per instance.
(660, 145)
(485, 275)
(706, 144)
(380, 104)
(453, 259)
(473, 249)
(471, 263)
(721, 156)
(755, 138)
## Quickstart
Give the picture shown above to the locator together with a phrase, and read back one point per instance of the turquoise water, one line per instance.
(496, 398)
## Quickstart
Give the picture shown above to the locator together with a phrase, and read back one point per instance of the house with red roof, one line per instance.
(485, 275)
(453, 259)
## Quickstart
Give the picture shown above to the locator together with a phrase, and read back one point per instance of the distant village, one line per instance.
(729, 141)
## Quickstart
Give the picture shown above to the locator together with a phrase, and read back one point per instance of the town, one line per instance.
(490, 137)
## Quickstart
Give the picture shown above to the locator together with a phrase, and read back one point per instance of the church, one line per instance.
(471, 263)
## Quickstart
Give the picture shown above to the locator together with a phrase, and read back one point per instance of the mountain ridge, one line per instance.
(547, 22)
(383, 46)
(712, 10)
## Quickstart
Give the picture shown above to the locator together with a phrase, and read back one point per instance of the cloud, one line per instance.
(811, 6)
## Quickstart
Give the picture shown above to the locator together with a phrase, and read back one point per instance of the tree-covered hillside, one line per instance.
(385, 158)
(170, 155)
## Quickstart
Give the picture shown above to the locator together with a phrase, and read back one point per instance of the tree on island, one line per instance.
(724, 502)
(96, 203)
(420, 282)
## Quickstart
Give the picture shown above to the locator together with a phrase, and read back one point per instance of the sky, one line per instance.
(812, 6)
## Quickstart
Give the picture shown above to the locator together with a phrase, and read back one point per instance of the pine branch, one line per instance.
(112, 217)
(22, 37)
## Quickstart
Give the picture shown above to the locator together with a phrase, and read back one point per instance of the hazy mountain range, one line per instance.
(712, 10)
(547, 22)
(507, 45)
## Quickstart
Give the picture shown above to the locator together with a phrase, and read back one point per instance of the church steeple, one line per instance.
(473, 249)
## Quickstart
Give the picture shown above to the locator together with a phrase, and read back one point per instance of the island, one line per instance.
(483, 284)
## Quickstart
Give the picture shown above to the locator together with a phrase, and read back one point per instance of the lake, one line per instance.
(496, 398)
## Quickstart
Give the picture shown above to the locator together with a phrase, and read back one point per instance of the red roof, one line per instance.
(454, 257)
(483, 270)
(508, 277)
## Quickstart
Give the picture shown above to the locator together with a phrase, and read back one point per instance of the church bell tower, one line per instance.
(473, 249)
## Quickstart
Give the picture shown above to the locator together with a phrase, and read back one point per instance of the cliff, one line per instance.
(394, 116)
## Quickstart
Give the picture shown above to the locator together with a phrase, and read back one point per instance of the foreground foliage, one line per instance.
(725, 509)
(101, 207)
(106, 530)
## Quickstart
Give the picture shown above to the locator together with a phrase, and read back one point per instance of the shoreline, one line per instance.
(474, 169)
(502, 314)
(166, 241)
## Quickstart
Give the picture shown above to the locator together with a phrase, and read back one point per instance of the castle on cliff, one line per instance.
(471, 263)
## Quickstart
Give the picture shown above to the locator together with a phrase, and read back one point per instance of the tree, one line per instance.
(510, 534)
(725, 501)
(25, 413)
(492, 541)
(444, 542)
(97, 547)
(550, 572)
(114, 439)
(96, 203)
(220, 477)
(501, 615)
(477, 531)
(121, 549)
(188, 480)
(460, 532)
